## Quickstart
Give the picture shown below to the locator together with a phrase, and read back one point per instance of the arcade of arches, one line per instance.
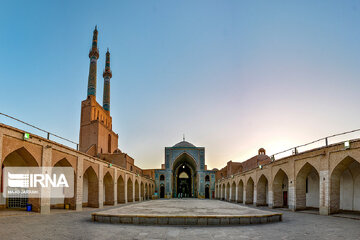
(116, 185)
(325, 179)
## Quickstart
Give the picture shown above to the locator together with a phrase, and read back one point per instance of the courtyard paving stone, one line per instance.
(78, 225)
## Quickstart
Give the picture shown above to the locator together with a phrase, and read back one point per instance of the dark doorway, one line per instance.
(184, 177)
(285, 198)
(162, 191)
(184, 181)
(207, 192)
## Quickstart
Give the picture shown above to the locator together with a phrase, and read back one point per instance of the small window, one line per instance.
(130, 168)
(207, 178)
(162, 178)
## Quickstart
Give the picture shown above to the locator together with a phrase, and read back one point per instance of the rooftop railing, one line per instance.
(48, 134)
(322, 142)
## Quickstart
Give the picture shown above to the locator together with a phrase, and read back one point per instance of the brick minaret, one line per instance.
(93, 55)
(107, 76)
(96, 134)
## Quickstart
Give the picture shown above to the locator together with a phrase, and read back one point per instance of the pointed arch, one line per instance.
(280, 189)
(307, 187)
(345, 186)
(262, 188)
(240, 191)
(21, 157)
(250, 191)
(120, 189)
(90, 188)
(130, 190)
(227, 192)
(60, 202)
(108, 194)
(233, 192)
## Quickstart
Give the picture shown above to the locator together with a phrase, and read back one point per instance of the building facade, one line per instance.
(184, 173)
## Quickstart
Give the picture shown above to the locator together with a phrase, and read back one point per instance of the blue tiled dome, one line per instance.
(184, 144)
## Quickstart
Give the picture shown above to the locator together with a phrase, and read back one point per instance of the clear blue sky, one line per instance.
(233, 76)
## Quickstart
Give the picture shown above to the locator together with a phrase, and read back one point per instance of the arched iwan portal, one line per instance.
(60, 203)
(90, 188)
(240, 191)
(130, 192)
(307, 188)
(184, 176)
(233, 192)
(250, 191)
(227, 194)
(120, 190)
(20, 158)
(345, 186)
(280, 189)
(108, 185)
(262, 191)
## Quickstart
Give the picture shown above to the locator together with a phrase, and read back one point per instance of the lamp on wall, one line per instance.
(347, 145)
(26, 136)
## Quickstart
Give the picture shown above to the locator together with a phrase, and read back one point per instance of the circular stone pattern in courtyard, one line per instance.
(186, 212)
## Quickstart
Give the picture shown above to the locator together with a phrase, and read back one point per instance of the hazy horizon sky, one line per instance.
(233, 76)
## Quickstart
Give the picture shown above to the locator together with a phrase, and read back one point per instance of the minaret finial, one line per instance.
(183, 137)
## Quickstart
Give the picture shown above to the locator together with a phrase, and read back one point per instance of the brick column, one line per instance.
(79, 184)
(133, 192)
(140, 197)
(125, 188)
(236, 193)
(271, 197)
(292, 195)
(101, 186)
(115, 187)
(46, 191)
(324, 193)
(255, 195)
(223, 192)
(244, 195)
(230, 193)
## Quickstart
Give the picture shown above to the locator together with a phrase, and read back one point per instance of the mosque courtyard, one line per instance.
(79, 225)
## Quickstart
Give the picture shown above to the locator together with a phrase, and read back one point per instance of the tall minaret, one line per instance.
(107, 75)
(93, 55)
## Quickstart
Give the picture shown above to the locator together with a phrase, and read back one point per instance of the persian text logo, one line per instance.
(36, 182)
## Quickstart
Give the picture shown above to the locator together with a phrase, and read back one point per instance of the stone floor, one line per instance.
(78, 225)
